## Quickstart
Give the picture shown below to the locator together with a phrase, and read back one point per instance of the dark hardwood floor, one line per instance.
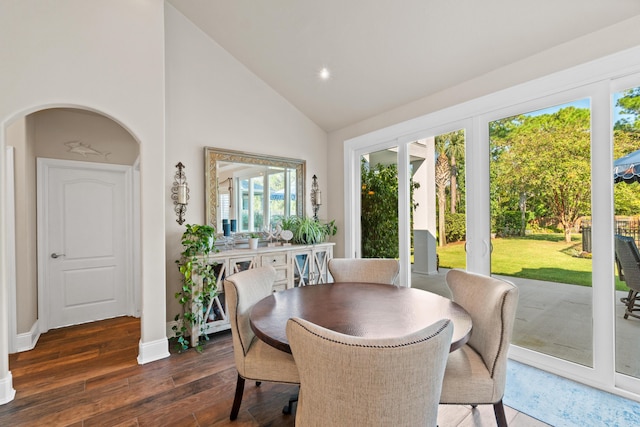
(87, 375)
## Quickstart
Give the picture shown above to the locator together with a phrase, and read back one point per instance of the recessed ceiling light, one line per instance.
(324, 73)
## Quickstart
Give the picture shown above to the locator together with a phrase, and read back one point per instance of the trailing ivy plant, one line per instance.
(197, 242)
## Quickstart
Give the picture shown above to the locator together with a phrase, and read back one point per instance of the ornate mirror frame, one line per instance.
(213, 155)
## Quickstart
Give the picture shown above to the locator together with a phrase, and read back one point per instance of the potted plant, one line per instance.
(197, 241)
(309, 231)
(254, 239)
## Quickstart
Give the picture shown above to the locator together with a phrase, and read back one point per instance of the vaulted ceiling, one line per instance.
(386, 53)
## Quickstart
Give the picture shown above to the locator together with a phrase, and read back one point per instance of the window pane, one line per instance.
(626, 143)
(277, 196)
(379, 204)
(540, 188)
(256, 217)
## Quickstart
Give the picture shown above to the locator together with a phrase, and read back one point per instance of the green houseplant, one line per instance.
(309, 231)
(253, 240)
(197, 242)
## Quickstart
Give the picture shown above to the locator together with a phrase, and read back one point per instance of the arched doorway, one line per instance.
(67, 135)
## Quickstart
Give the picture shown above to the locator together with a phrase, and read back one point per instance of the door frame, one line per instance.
(133, 288)
(10, 201)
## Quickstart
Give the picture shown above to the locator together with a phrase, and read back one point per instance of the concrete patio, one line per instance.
(556, 319)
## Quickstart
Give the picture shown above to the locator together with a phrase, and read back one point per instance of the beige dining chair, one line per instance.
(255, 360)
(476, 373)
(370, 270)
(355, 381)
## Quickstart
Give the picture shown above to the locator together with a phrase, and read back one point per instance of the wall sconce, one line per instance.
(180, 193)
(316, 197)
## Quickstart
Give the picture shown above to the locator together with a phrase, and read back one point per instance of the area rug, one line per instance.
(564, 403)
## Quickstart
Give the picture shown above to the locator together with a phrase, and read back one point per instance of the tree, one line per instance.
(508, 177)
(629, 103)
(548, 157)
(379, 205)
(442, 176)
(455, 151)
(452, 144)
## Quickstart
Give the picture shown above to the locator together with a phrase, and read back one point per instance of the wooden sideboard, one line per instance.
(296, 265)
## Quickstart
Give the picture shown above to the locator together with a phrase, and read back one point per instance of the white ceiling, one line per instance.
(387, 53)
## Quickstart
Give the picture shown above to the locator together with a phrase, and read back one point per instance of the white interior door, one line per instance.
(84, 242)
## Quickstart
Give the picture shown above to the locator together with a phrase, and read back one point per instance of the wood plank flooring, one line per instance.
(87, 375)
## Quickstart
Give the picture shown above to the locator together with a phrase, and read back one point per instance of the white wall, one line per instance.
(592, 46)
(105, 55)
(213, 100)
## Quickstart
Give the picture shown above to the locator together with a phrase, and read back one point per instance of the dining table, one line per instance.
(368, 310)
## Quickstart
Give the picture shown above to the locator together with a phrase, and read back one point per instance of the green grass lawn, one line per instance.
(538, 256)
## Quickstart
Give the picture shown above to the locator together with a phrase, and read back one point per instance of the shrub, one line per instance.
(455, 226)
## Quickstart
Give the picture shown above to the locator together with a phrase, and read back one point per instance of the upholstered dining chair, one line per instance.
(355, 381)
(370, 270)
(476, 373)
(255, 360)
(628, 262)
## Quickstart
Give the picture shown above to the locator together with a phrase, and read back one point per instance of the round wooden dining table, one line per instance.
(359, 309)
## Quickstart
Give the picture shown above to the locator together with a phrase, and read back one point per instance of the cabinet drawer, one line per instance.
(274, 259)
(281, 274)
(279, 287)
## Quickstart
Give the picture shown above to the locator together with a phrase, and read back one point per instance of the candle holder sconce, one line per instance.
(316, 197)
(180, 193)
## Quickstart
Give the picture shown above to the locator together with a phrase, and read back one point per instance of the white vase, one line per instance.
(253, 242)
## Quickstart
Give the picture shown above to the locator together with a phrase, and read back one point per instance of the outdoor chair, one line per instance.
(255, 360)
(476, 373)
(369, 270)
(628, 263)
(354, 381)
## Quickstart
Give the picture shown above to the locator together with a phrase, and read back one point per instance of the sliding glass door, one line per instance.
(540, 225)
(541, 209)
(626, 154)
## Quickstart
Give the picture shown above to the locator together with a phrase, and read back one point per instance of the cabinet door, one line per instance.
(302, 265)
(214, 314)
(320, 267)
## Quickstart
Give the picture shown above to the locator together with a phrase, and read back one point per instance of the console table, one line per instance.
(296, 265)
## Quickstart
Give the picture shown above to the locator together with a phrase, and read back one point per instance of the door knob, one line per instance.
(55, 255)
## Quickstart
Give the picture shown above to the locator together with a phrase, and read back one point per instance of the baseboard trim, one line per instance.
(7, 393)
(152, 351)
(28, 340)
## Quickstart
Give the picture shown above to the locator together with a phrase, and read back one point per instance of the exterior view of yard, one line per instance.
(544, 256)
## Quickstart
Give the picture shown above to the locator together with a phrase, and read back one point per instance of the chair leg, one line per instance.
(631, 304)
(238, 399)
(498, 409)
(293, 399)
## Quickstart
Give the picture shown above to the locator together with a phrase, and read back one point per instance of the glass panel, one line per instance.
(256, 214)
(626, 142)
(291, 201)
(379, 204)
(244, 204)
(437, 166)
(276, 196)
(450, 195)
(540, 175)
(301, 266)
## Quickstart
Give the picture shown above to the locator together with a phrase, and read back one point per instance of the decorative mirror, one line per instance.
(253, 189)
